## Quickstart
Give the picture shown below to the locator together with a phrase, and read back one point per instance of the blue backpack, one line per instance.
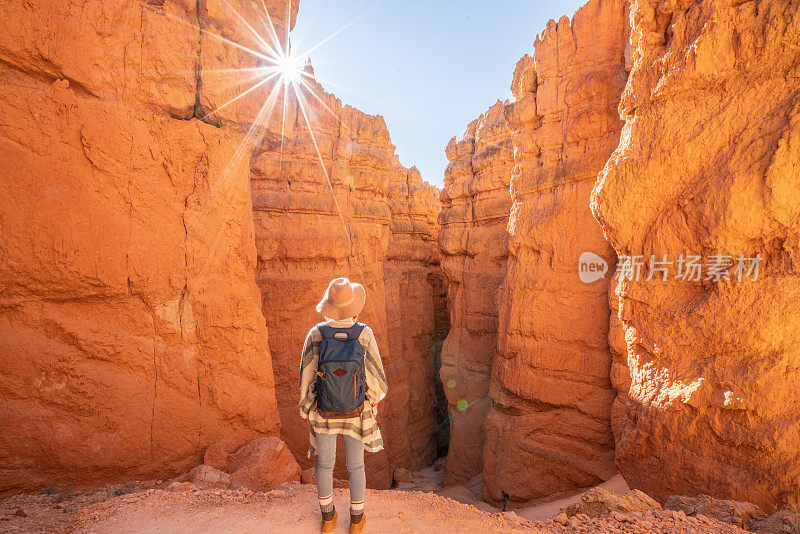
(341, 384)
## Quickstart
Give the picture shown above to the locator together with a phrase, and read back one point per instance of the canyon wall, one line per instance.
(548, 429)
(473, 243)
(130, 330)
(708, 373)
(375, 224)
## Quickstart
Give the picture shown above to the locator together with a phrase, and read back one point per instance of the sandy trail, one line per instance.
(292, 508)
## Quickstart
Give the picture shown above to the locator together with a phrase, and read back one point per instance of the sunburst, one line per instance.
(282, 70)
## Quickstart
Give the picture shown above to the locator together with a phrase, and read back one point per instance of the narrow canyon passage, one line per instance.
(385, 238)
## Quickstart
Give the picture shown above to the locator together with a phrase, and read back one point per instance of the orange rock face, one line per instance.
(548, 429)
(474, 247)
(706, 372)
(376, 225)
(130, 328)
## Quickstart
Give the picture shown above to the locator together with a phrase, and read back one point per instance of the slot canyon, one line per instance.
(164, 239)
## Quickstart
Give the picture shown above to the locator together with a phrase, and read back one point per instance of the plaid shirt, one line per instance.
(364, 426)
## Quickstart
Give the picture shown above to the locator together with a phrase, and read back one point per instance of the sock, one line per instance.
(327, 511)
(356, 511)
(326, 507)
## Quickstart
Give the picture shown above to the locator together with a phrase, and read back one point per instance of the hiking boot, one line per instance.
(357, 523)
(328, 522)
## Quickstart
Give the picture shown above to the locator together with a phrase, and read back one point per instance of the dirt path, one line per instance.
(293, 509)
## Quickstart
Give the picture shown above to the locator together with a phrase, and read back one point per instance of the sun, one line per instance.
(290, 69)
(281, 71)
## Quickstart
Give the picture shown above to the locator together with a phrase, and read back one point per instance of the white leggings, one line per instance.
(324, 461)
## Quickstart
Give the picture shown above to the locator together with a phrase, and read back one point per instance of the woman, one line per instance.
(341, 382)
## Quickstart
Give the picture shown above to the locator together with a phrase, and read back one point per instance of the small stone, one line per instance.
(619, 517)
(180, 487)
(561, 519)
(574, 522)
(308, 476)
(20, 513)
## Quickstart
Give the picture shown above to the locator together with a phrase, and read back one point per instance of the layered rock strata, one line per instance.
(131, 334)
(548, 429)
(708, 372)
(374, 223)
(473, 243)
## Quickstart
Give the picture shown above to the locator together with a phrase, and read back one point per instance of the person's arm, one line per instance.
(309, 360)
(377, 388)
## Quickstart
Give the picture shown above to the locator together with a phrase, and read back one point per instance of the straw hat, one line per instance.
(342, 300)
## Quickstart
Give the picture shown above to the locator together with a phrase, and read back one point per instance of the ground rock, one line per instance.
(741, 514)
(308, 476)
(262, 465)
(561, 519)
(705, 370)
(180, 487)
(216, 456)
(473, 246)
(598, 502)
(549, 426)
(205, 477)
(781, 522)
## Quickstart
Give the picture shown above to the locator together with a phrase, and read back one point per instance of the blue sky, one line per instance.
(429, 67)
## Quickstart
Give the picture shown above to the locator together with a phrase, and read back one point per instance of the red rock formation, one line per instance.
(384, 237)
(130, 329)
(548, 429)
(473, 243)
(707, 379)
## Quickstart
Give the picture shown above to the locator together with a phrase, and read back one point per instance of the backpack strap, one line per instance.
(329, 332)
(326, 331)
(356, 329)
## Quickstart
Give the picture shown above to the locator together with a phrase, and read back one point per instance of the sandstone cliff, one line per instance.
(130, 329)
(384, 237)
(548, 429)
(707, 374)
(473, 244)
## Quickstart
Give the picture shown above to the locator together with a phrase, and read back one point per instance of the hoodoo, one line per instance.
(130, 329)
(474, 248)
(707, 371)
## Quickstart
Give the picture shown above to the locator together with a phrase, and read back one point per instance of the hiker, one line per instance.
(341, 383)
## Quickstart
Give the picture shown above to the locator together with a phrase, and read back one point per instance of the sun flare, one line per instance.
(290, 69)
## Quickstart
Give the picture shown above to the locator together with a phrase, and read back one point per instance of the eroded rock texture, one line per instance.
(380, 231)
(130, 328)
(548, 429)
(708, 375)
(474, 246)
